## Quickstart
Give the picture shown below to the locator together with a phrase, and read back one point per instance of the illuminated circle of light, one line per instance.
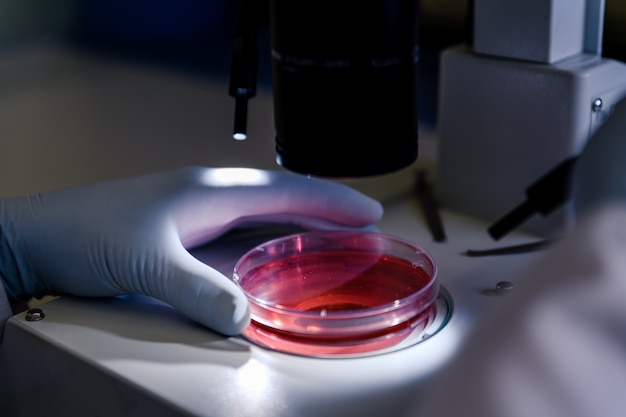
(228, 177)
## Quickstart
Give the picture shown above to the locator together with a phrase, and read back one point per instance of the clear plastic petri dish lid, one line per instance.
(337, 293)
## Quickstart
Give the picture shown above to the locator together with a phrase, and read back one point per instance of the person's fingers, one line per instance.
(281, 196)
(296, 220)
(319, 198)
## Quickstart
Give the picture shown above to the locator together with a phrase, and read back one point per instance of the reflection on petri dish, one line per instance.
(340, 293)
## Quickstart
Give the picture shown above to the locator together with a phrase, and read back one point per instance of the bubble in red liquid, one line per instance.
(337, 283)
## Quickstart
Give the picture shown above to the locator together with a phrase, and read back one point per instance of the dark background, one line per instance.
(196, 35)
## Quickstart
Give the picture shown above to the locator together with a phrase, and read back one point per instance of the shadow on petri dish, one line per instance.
(224, 252)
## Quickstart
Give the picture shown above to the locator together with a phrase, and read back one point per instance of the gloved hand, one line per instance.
(600, 173)
(131, 235)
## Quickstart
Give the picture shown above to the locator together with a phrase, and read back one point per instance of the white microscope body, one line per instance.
(527, 95)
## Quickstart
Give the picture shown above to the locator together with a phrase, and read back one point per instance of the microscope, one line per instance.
(518, 106)
(522, 100)
(515, 108)
(344, 79)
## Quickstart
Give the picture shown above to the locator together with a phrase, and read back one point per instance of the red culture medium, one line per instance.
(336, 301)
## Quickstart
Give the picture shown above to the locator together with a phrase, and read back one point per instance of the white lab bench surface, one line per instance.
(67, 118)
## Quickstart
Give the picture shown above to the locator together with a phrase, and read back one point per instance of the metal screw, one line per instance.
(597, 105)
(504, 287)
(34, 314)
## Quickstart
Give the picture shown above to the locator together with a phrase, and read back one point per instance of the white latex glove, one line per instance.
(131, 235)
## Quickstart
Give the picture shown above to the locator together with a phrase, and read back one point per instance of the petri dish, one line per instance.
(339, 293)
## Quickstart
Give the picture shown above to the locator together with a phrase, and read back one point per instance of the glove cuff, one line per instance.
(10, 271)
